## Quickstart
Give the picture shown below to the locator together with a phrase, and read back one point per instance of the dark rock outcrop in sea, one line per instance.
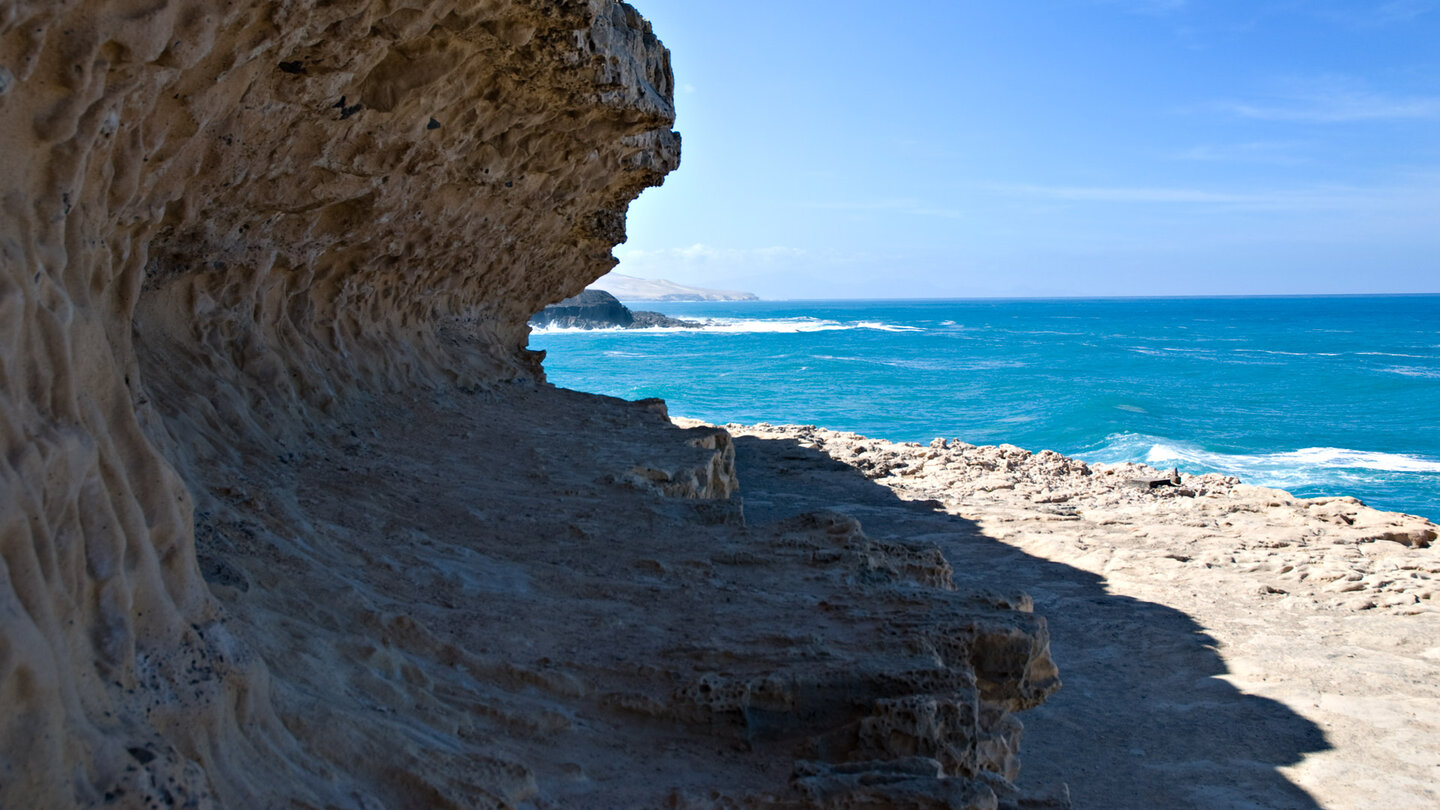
(597, 309)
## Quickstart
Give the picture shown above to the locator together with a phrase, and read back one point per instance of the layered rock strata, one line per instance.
(534, 594)
(289, 517)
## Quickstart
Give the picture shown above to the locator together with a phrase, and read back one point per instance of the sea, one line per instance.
(1317, 395)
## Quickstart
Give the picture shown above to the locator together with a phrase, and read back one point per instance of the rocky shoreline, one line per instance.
(291, 517)
(1334, 552)
(1210, 521)
(1203, 630)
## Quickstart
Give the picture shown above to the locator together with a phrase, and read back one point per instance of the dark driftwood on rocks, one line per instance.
(1172, 481)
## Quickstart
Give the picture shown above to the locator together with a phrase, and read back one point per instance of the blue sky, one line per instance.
(1048, 148)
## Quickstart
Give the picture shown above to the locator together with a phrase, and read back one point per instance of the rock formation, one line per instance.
(289, 517)
(1223, 645)
(1335, 552)
(597, 309)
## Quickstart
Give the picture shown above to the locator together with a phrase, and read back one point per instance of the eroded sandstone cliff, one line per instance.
(217, 219)
(265, 271)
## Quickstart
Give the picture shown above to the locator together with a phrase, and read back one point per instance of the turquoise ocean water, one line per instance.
(1320, 396)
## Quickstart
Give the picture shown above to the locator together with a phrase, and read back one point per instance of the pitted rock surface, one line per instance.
(289, 515)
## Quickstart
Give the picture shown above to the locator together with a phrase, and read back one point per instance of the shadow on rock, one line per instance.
(1145, 718)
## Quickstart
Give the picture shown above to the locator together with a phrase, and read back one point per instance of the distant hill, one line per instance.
(630, 288)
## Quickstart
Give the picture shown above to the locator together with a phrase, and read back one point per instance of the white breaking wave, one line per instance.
(727, 325)
(571, 330)
(924, 365)
(1288, 354)
(887, 327)
(745, 325)
(1414, 371)
(1291, 468)
(772, 325)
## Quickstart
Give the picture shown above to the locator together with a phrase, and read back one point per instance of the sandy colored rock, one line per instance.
(1223, 645)
(289, 516)
(479, 573)
(291, 519)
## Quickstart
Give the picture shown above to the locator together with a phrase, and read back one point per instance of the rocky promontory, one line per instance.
(288, 514)
(597, 309)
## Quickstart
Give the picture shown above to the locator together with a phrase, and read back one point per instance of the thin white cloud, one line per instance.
(1397, 11)
(1148, 7)
(1341, 109)
(706, 265)
(909, 206)
(1331, 100)
(700, 253)
(1274, 152)
(1376, 14)
(1411, 196)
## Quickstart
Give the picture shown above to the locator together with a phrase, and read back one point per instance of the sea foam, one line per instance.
(1290, 465)
(745, 325)
(1317, 396)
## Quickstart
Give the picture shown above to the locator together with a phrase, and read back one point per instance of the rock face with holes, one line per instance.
(218, 222)
(288, 516)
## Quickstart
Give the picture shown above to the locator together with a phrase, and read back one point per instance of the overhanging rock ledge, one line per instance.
(265, 271)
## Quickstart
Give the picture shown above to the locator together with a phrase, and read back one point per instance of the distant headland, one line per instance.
(630, 288)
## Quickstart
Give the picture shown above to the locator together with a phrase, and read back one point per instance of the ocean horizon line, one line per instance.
(1302, 391)
(1007, 299)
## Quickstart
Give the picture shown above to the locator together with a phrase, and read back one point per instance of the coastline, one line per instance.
(1321, 606)
(1315, 396)
(293, 517)
(1216, 520)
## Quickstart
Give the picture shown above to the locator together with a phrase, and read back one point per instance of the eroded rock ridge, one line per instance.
(289, 517)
